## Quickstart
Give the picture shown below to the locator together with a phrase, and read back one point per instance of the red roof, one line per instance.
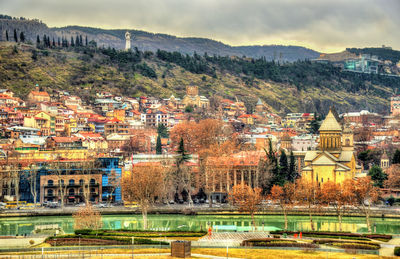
(39, 93)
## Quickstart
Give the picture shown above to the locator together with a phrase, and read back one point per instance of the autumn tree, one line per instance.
(286, 197)
(393, 176)
(143, 186)
(87, 218)
(308, 193)
(338, 196)
(247, 199)
(364, 195)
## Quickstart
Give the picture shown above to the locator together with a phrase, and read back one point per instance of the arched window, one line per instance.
(50, 192)
(71, 191)
(81, 191)
(71, 182)
(347, 142)
(81, 182)
(62, 182)
(92, 190)
(92, 181)
(50, 182)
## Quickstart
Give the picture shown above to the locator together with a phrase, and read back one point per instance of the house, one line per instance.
(64, 143)
(152, 118)
(116, 126)
(93, 141)
(38, 97)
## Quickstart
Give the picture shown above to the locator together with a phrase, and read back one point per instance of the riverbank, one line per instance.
(385, 212)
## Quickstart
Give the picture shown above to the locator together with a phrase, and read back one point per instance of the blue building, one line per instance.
(111, 169)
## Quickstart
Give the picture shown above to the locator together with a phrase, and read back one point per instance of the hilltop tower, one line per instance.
(127, 40)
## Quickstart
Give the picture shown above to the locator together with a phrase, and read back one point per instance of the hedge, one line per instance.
(139, 233)
(343, 235)
(275, 242)
(397, 251)
(85, 238)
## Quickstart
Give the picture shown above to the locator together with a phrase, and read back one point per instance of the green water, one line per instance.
(25, 225)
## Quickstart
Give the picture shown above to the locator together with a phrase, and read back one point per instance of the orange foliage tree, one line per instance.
(338, 196)
(87, 218)
(364, 194)
(308, 194)
(286, 197)
(393, 173)
(247, 199)
(144, 185)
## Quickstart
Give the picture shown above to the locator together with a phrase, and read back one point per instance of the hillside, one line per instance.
(297, 87)
(152, 41)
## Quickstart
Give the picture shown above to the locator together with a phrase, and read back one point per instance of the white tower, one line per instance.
(127, 40)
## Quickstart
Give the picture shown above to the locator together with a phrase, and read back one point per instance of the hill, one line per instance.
(152, 41)
(289, 87)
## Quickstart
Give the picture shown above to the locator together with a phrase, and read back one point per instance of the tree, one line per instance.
(15, 35)
(158, 146)
(22, 36)
(72, 42)
(396, 157)
(292, 173)
(286, 197)
(308, 194)
(189, 109)
(32, 178)
(364, 194)
(37, 41)
(393, 176)
(80, 40)
(315, 124)
(377, 175)
(338, 196)
(86, 41)
(283, 169)
(77, 41)
(143, 186)
(57, 168)
(114, 182)
(247, 199)
(7, 35)
(183, 156)
(162, 131)
(87, 218)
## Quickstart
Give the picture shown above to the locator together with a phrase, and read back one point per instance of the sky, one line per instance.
(323, 25)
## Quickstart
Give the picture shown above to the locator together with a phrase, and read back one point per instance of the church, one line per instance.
(334, 160)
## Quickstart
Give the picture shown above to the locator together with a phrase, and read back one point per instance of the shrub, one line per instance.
(397, 251)
(342, 235)
(31, 242)
(356, 246)
(274, 242)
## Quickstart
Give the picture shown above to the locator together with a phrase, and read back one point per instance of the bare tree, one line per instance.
(286, 197)
(113, 183)
(247, 199)
(32, 178)
(58, 168)
(143, 186)
(87, 218)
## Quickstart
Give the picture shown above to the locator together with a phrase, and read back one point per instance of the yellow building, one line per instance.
(43, 121)
(192, 98)
(334, 160)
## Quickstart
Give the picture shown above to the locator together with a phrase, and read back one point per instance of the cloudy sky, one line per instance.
(324, 25)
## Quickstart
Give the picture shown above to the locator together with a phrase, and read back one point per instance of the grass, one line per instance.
(239, 253)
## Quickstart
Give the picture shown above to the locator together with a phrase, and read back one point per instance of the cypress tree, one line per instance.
(183, 157)
(86, 41)
(283, 169)
(77, 41)
(80, 41)
(22, 36)
(45, 40)
(54, 42)
(72, 42)
(396, 157)
(15, 35)
(292, 174)
(58, 42)
(158, 146)
(6, 35)
(37, 40)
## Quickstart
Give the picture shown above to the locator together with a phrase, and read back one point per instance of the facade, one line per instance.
(192, 98)
(334, 160)
(38, 97)
(395, 105)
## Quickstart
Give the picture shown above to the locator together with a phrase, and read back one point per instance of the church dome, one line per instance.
(330, 123)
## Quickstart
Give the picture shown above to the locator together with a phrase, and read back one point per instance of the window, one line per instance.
(92, 190)
(71, 182)
(50, 192)
(81, 191)
(71, 191)
(81, 182)
(92, 181)
(50, 182)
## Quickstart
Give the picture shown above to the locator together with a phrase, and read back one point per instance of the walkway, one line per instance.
(228, 238)
(387, 249)
(79, 256)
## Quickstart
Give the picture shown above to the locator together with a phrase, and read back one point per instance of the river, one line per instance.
(25, 225)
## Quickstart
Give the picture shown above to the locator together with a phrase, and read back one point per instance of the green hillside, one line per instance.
(295, 87)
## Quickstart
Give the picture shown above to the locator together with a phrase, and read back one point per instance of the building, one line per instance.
(38, 97)
(192, 98)
(334, 160)
(395, 105)
(154, 118)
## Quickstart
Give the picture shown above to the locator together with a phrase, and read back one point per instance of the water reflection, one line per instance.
(25, 225)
